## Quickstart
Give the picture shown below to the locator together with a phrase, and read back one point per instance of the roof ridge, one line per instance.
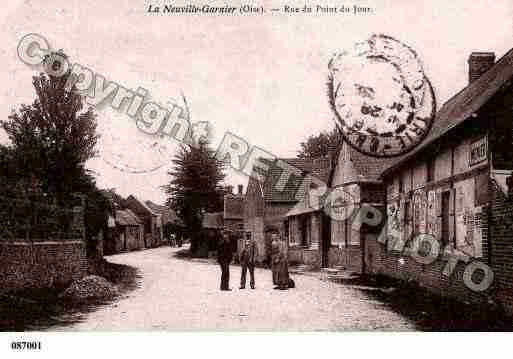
(460, 106)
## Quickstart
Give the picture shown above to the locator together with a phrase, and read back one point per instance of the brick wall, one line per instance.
(403, 267)
(501, 246)
(40, 265)
(302, 255)
(348, 257)
(496, 221)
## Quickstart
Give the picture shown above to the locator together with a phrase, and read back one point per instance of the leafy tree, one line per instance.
(50, 142)
(195, 186)
(52, 138)
(319, 145)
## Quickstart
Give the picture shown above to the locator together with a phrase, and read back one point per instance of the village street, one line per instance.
(182, 294)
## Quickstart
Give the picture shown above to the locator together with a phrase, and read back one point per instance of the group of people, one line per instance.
(248, 258)
(175, 241)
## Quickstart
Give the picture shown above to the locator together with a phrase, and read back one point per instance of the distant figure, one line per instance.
(282, 267)
(248, 258)
(172, 241)
(275, 251)
(224, 257)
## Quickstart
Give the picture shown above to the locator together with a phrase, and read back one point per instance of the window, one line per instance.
(338, 233)
(304, 228)
(294, 231)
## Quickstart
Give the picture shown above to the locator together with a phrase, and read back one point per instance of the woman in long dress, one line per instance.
(282, 266)
(275, 251)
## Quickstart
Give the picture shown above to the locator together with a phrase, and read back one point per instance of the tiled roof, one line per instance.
(117, 200)
(127, 218)
(213, 220)
(233, 206)
(468, 101)
(302, 208)
(140, 204)
(319, 168)
(168, 215)
(368, 168)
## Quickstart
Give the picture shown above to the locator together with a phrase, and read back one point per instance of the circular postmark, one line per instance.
(128, 149)
(125, 147)
(383, 102)
(340, 204)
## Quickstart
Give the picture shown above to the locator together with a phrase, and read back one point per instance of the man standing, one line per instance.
(224, 257)
(248, 257)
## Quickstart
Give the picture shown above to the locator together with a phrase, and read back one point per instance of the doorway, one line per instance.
(446, 200)
(325, 239)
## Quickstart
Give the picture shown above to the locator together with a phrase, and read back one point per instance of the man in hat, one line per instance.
(248, 257)
(224, 257)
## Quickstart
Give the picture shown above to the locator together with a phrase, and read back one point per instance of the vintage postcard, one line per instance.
(265, 166)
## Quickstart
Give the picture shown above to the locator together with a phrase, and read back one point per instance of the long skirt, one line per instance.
(274, 269)
(282, 274)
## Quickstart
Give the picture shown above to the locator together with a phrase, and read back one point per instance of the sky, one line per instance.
(261, 77)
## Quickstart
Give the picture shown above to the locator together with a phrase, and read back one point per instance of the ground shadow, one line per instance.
(43, 309)
(431, 312)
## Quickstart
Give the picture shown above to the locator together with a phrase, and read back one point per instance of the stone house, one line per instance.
(233, 213)
(306, 224)
(128, 233)
(320, 239)
(231, 218)
(267, 202)
(212, 225)
(152, 221)
(169, 220)
(454, 187)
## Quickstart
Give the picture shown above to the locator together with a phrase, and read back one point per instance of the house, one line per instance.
(212, 225)
(233, 214)
(357, 178)
(231, 218)
(170, 221)
(128, 233)
(152, 221)
(456, 187)
(267, 202)
(306, 224)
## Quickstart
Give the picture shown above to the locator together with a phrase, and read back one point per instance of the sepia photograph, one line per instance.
(270, 170)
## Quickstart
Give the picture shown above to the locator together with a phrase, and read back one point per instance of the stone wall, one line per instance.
(42, 245)
(40, 265)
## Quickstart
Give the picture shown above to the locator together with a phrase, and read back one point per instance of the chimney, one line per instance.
(479, 63)
(240, 187)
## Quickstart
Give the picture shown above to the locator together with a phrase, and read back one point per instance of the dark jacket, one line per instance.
(249, 253)
(224, 251)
